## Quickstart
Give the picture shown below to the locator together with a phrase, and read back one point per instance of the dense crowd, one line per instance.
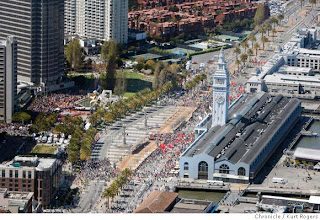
(15, 129)
(94, 170)
(51, 102)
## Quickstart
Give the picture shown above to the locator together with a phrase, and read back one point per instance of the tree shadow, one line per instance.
(136, 85)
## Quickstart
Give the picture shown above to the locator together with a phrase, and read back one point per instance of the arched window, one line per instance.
(203, 170)
(224, 168)
(186, 166)
(241, 171)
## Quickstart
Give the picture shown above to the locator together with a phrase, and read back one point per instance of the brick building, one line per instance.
(189, 17)
(32, 174)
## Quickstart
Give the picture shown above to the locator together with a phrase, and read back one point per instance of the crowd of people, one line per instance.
(94, 170)
(51, 102)
(15, 129)
(153, 172)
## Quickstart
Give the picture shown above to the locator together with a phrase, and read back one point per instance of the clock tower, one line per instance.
(220, 92)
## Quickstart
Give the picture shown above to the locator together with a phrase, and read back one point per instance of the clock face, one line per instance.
(220, 99)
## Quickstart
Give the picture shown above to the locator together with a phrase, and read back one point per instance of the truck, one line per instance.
(278, 180)
(215, 183)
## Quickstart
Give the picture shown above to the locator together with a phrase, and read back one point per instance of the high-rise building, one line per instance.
(102, 19)
(220, 92)
(38, 28)
(70, 16)
(8, 78)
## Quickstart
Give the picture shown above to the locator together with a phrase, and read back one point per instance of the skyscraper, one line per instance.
(8, 78)
(70, 16)
(38, 28)
(102, 19)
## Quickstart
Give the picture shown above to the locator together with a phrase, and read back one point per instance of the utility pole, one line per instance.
(145, 119)
(124, 134)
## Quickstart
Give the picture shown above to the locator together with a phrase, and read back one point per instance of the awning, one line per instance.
(230, 176)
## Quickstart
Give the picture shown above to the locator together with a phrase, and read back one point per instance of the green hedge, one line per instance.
(206, 51)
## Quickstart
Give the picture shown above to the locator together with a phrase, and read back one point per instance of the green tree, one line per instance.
(140, 60)
(74, 55)
(109, 55)
(250, 52)
(121, 84)
(243, 57)
(261, 15)
(245, 45)
(313, 3)
(262, 31)
(274, 21)
(237, 51)
(21, 117)
(253, 39)
(156, 77)
(273, 31)
(264, 40)
(280, 17)
(256, 46)
(238, 64)
(268, 28)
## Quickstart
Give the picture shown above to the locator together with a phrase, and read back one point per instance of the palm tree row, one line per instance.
(266, 27)
(117, 185)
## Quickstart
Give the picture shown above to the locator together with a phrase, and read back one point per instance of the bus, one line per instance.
(215, 183)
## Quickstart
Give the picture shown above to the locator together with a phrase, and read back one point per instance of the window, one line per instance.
(203, 170)
(224, 169)
(29, 174)
(24, 175)
(16, 173)
(241, 171)
(3, 173)
(186, 166)
(10, 173)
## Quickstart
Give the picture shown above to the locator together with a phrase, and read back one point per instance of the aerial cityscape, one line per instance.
(160, 106)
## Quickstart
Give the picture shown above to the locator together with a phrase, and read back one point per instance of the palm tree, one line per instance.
(253, 39)
(238, 64)
(262, 30)
(264, 40)
(245, 46)
(243, 57)
(268, 28)
(273, 31)
(274, 21)
(313, 2)
(280, 17)
(249, 52)
(256, 46)
(237, 51)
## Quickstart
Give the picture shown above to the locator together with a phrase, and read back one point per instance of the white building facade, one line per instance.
(221, 86)
(102, 19)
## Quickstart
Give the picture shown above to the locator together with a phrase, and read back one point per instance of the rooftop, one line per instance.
(253, 120)
(191, 206)
(157, 201)
(293, 79)
(39, 163)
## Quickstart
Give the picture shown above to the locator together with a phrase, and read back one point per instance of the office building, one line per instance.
(8, 78)
(293, 71)
(70, 17)
(102, 19)
(38, 28)
(32, 174)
